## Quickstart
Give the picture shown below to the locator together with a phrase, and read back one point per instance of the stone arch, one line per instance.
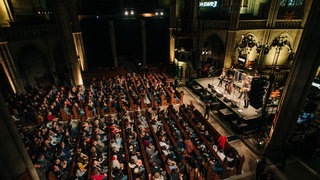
(213, 48)
(245, 53)
(31, 64)
(280, 51)
(62, 70)
(59, 58)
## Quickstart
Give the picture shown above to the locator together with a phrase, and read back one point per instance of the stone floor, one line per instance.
(295, 168)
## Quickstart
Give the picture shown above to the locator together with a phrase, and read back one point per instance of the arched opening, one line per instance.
(212, 55)
(62, 72)
(246, 53)
(280, 52)
(31, 64)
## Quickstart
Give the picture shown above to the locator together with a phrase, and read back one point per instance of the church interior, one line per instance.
(159, 89)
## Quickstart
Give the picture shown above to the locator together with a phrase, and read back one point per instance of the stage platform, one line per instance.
(226, 100)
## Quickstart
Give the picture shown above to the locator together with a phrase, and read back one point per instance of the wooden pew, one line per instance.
(153, 102)
(143, 150)
(203, 139)
(107, 119)
(131, 103)
(239, 160)
(163, 99)
(172, 139)
(157, 144)
(186, 136)
(89, 113)
(169, 90)
(126, 150)
(188, 117)
(180, 94)
(112, 109)
(64, 115)
(75, 113)
(143, 105)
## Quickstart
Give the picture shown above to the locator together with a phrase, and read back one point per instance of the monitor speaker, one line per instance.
(225, 99)
(219, 95)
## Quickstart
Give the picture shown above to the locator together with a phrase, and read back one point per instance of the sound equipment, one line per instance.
(257, 92)
(234, 104)
(225, 99)
(225, 114)
(219, 94)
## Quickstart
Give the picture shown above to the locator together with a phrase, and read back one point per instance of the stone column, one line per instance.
(63, 20)
(113, 43)
(298, 83)
(10, 69)
(230, 48)
(273, 13)
(144, 41)
(77, 34)
(14, 158)
(78, 43)
(307, 7)
(231, 35)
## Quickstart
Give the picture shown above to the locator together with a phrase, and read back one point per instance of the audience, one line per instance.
(74, 126)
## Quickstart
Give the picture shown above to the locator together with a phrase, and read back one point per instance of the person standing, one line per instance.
(246, 100)
(229, 84)
(261, 166)
(222, 76)
(207, 111)
(246, 90)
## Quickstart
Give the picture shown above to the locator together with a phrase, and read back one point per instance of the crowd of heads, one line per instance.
(83, 146)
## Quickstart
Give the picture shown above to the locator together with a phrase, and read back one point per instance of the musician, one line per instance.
(222, 76)
(229, 84)
(245, 87)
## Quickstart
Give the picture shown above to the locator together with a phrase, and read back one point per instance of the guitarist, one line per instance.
(245, 87)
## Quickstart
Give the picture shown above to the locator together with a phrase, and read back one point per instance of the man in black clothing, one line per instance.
(261, 166)
(207, 111)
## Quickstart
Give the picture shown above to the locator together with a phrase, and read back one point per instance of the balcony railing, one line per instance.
(28, 31)
(214, 24)
(252, 24)
(288, 24)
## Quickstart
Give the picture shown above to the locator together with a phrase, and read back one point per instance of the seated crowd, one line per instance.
(115, 128)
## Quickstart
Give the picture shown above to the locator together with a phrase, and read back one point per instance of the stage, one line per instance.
(228, 102)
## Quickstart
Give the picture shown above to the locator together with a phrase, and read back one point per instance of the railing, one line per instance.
(28, 31)
(214, 24)
(288, 24)
(252, 24)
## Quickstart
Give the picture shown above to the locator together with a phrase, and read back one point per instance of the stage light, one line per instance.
(131, 12)
(126, 13)
(159, 12)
